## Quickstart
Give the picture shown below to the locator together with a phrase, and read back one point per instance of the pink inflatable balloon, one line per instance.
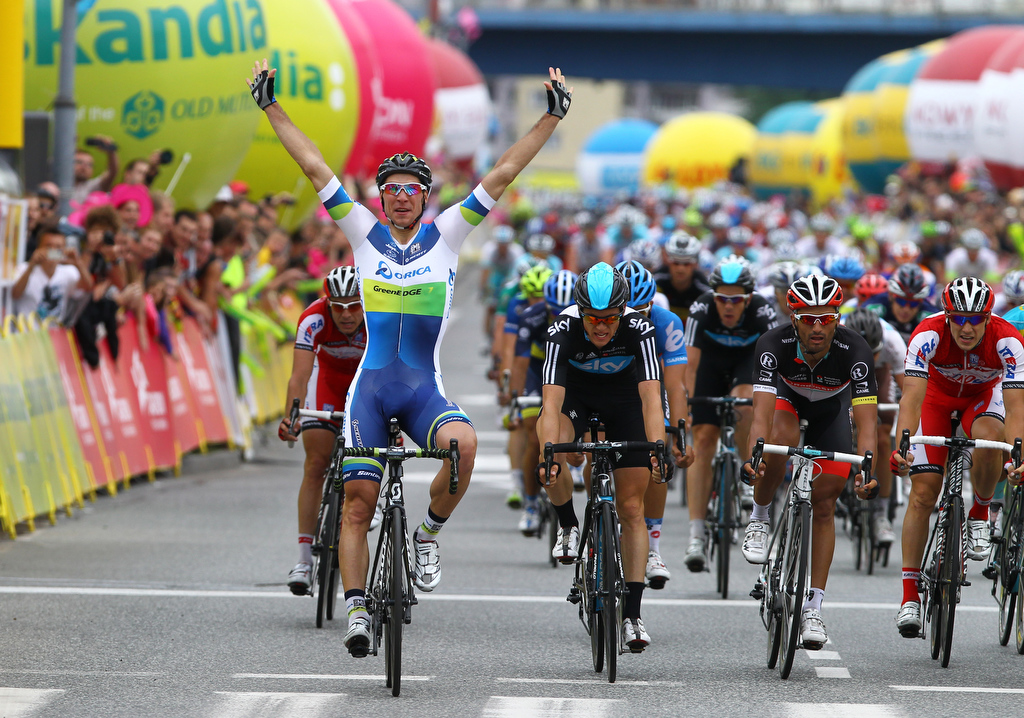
(368, 67)
(462, 102)
(995, 126)
(403, 94)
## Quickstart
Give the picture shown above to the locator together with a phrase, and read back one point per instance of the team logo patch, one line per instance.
(768, 361)
(859, 371)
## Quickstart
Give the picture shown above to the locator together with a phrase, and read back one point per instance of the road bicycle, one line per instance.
(327, 534)
(598, 586)
(389, 594)
(724, 508)
(944, 569)
(783, 581)
(548, 526)
(1006, 567)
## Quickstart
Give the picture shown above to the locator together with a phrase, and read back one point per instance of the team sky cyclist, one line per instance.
(812, 368)
(968, 361)
(527, 368)
(601, 358)
(724, 326)
(681, 282)
(329, 345)
(890, 353)
(668, 337)
(407, 277)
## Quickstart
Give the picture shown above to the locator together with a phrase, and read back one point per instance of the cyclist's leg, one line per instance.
(786, 432)
(984, 420)
(713, 379)
(318, 443)
(742, 387)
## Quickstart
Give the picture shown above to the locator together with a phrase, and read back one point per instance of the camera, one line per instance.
(108, 238)
(98, 143)
(166, 157)
(55, 255)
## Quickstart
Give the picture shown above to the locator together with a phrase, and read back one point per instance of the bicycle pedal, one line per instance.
(965, 582)
(990, 572)
(757, 592)
(573, 597)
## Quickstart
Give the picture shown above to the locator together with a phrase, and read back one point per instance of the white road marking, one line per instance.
(823, 655)
(589, 682)
(841, 710)
(832, 672)
(324, 677)
(475, 399)
(492, 437)
(23, 702)
(957, 689)
(274, 705)
(512, 707)
(43, 672)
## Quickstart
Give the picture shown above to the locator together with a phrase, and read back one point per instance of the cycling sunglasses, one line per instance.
(347, 305)
(731, 298)
(396, 188)
(912, 303)
(960, 320)
(594, 321)
(812, 319)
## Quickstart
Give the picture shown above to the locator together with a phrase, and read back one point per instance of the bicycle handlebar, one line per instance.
(807, 452)
(721, 400)
(960, 441)
(323, 415)
(400, 453)
(526, 402)
(579, 447)
(888, 407)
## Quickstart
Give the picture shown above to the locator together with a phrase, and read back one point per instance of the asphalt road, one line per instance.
(169, 600)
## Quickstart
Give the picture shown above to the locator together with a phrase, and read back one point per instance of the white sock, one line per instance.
(760, 513)
(814, 598)
(653, 534)
(306, 549)
(517, 479)
(882, 504)
(697, 528)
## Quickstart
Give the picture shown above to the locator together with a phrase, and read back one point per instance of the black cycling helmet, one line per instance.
(732, 270)
(909, 282)
(404, 163)
(601, 287)
(868, 324)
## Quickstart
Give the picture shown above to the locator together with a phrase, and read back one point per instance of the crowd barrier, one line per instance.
(68, 431)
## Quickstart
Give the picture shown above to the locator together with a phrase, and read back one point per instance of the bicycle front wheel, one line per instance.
(609, 583)
(591, 602)
(1007, 551)
(726, 522)
(949, 580)
(794, 586)
(328, 537)
(394, 616)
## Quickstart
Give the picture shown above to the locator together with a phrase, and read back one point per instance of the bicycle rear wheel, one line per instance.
(394, 616)
(794, 587)
(328, 537)
(608, 587)
(726, 522)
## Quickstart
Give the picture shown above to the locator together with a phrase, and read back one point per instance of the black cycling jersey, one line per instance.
(679, 301)
(604, 381)
(849, 363)
(881, 306)
(531, 341)
(705, 331)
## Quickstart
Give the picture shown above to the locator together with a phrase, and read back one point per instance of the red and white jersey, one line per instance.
(338, 355)
(932, 354)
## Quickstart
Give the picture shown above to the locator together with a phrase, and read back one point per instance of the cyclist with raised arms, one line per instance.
(724, 326)
(601, 358)
(407, 274)
(668, 335)
(812, 368)
(329, 345)
(968, 361)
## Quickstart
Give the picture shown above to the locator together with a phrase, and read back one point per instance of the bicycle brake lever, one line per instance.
(680, 438)
(549, 459)
(755, 461)
(292, 418)
(453, 477)
(1015, 453)
(905, 443)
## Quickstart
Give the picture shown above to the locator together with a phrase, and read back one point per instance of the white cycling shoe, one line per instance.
(884, 535)
(979, 539)
(657, 573)
(566, 548)
(634, 636)
(812, 630)
(427, 572)
(300, 579)
(357, 639)
(908, 620)
(755, 542)
(695, 555)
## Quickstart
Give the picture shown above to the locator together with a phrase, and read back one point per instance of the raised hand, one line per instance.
(261, 86)
(559, 98)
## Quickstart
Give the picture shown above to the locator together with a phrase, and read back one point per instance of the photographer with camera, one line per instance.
(85, 166)
(52, 274)
(105, 266)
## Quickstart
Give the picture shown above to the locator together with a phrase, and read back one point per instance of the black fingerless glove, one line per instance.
(559, 99)
(263, 90)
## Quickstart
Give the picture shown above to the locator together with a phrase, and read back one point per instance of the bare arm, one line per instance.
(297, 144)
(692, 364)
(761, 425)
(113, 165)
(516, 157)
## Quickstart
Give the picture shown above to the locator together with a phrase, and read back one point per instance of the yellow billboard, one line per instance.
(12, 59)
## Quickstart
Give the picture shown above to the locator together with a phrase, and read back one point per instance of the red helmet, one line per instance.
(869, 285)
(814, 290)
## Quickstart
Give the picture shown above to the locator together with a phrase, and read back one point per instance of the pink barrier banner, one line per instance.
(113, 388)
(200, 378)
(147, 376)
(184, 414)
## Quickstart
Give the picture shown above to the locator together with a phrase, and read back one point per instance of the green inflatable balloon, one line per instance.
(317, 85)
(155, 75)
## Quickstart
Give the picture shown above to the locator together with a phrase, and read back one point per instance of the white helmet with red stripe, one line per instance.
(967, 294)
(814, 291)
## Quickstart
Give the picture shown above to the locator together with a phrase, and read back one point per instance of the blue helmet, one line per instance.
(601, 287)
(641, 283)
(846, 269)
(558, 291)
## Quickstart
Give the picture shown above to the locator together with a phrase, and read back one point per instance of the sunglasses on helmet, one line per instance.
(974, 320)
(812, 319)
(396, 188)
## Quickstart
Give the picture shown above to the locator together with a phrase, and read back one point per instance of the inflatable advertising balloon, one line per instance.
(829, 171)
(998, 117)
(940, 114)
(403, 97)
(860, 124)
(461, 101)
(155, 75)
(613, 157)
(317, 85)
(697, 149)
(369, 72)
(890, 101)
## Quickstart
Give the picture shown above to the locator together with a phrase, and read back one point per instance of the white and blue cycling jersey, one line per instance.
(407, 292)
(669, 336)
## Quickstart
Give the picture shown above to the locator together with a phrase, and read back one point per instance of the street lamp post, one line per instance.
(64, 129)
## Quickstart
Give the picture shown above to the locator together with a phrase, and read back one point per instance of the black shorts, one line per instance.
(717, 375)
(829, 426)
(621, 412)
